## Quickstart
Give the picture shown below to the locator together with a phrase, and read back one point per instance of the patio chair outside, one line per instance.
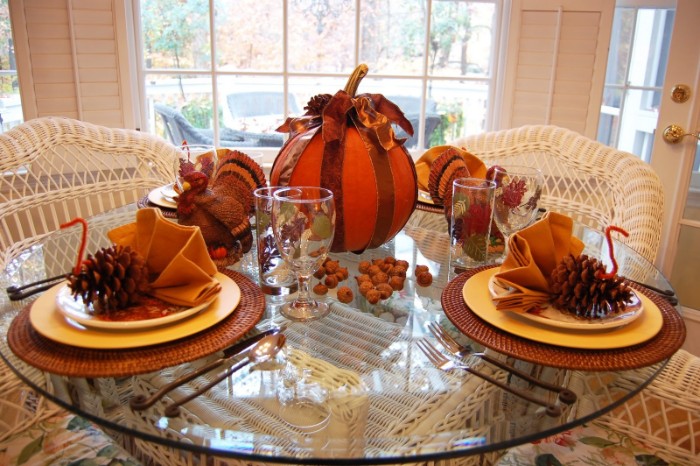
(179, 129)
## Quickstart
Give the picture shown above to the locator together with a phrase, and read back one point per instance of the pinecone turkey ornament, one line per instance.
(581, 286)
(113, 278)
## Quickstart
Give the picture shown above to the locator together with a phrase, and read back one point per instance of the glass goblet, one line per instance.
(518, 191)
(303, 223)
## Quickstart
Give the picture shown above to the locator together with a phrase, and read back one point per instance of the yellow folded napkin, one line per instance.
(476, 167)
(181, 271)
(533, 253)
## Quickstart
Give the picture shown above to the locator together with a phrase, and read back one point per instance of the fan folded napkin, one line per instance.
(533, 253)
(181, 271)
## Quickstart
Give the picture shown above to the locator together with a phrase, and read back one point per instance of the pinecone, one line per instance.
(317, 103)
(578, 287)
(114, 278)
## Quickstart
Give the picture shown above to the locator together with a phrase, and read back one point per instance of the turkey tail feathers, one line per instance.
(239, 170)
(445, 169)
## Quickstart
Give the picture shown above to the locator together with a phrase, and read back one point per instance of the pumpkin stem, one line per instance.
(355, 78)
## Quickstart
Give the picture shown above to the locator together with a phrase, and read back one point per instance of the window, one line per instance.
(634, 78)
(266, 58)
(10, 103)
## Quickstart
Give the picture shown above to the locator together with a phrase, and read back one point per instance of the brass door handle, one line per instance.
(674, 133)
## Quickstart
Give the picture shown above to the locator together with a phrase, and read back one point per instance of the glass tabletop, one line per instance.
(366, 393)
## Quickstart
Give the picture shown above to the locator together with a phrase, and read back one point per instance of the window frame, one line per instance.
(495, 85)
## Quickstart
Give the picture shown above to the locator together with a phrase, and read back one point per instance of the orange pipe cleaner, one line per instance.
(608, 237)
(83, 241)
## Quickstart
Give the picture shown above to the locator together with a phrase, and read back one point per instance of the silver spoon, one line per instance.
(263, 351)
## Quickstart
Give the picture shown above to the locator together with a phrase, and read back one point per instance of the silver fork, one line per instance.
(443, 363)
(451, 345)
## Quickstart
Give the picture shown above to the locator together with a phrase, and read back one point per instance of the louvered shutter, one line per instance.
(555, 70)
(70, 61)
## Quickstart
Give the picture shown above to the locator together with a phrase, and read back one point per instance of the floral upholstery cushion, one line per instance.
(61, 440)
(586, 445)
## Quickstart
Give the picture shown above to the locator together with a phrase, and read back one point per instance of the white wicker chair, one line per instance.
(600, 186)
(52, 170)
(55, 169)
(593, 183)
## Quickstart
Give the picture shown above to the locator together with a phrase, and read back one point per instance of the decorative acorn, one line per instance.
(581, 286)
(114, 278)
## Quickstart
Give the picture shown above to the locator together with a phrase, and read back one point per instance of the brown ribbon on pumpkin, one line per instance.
(301, 130)
(378, 142)
(372, 117)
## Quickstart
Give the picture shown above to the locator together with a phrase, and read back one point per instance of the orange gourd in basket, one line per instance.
(346, 143)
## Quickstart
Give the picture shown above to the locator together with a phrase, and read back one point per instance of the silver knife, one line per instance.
(140, 402)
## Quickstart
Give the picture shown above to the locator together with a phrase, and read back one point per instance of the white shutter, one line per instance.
(72, 65)
(555, 70)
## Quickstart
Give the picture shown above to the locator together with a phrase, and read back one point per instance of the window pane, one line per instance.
(692, 206)
(608, 127)
(461, 36)
(242, 44)
(176, 34)
(634, 78)
(407, 95)
(182, 108)
(463, 107)
(252, 108)
(304, 88)
(390, 46)
(650, 52)
(620, 46)
(10, 103)
(638, 122)
(322, 35)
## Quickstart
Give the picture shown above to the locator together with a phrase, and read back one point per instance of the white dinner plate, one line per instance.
(477, 296)
(50, 323)
(158, 197)
(79, 312)
(549, 315)
(169, 191)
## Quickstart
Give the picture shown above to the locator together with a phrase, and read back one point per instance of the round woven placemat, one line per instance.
(660, 347)
(145, 203)
(61, 359)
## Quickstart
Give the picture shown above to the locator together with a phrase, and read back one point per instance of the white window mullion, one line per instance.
(424, 77)
(285, 54)
(213, 71)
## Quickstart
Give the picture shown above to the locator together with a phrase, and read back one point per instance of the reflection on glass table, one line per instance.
(374, 396)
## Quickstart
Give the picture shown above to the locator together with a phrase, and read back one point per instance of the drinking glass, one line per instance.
(202, 157)
(470, 226)
(273, 272)
(518, 190)
(303, 222)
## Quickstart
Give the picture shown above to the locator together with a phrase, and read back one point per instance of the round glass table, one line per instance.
(351, 388)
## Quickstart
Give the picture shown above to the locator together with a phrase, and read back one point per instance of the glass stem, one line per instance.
(304, 297)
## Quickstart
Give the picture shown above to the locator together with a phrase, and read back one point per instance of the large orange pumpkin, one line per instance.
(346, 143)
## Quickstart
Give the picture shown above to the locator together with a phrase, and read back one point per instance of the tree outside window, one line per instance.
(10, 103)
(284, 56)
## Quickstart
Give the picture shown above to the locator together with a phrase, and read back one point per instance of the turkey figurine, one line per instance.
(221, 207)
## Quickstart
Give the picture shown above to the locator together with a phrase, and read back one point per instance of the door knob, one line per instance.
(674, 133)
